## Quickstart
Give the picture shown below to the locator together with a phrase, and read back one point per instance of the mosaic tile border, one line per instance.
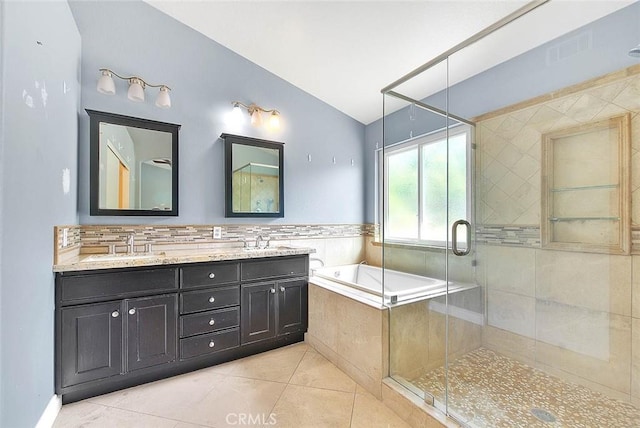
(511, 235)
(96, 235)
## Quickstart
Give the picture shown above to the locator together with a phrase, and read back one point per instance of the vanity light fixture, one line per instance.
(255, 111)
(136, 88)
(635, 52)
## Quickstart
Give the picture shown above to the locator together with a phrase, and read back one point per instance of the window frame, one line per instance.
(382, 178)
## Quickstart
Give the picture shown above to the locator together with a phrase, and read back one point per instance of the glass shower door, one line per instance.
(425, 190)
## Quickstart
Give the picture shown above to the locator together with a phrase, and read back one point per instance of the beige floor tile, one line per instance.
(301, 406)
(233, 399)
(276, 366)
(85, 415)
(169, 398)
(369, 412)
(316, 371)
(361, 390)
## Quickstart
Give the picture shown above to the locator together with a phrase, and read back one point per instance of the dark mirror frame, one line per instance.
(97, 117)
(229, 140)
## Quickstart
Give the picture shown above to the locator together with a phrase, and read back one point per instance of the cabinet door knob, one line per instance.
(282, 288)
(211, 344)
(212, 299)
(273, 290)
(212, 275)
(132, 311)
(212, 321)
(115, 314)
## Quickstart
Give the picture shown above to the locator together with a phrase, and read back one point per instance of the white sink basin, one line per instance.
(120, 257)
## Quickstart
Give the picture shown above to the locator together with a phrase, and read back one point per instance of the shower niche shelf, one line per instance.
(586, 187)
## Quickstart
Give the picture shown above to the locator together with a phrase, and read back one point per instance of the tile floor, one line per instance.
(292, 386)
(489, 390)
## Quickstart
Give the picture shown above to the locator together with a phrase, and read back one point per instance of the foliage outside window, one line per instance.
(414, 187)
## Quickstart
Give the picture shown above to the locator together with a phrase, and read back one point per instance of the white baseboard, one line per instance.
(50, 413)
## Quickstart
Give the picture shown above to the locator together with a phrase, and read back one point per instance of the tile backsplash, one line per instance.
(334, 243)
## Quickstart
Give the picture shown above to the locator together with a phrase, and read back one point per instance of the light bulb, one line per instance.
(274, 120)
(236, 117)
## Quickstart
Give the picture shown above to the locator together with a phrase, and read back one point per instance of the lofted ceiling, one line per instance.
(344, 52)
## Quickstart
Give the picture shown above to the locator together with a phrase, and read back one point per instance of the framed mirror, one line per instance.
(134, 166)
(254, 181)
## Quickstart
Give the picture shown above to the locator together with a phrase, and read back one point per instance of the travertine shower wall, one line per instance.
(573, 314)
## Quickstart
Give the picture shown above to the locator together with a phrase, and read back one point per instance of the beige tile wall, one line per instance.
(572, 314)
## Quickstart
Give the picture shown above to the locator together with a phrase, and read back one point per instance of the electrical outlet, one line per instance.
(65, 237)
(217, 232)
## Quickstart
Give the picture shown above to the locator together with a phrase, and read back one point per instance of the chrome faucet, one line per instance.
(260, 239)
(130, 244)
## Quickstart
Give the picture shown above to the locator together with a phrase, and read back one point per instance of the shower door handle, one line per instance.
(454, 238)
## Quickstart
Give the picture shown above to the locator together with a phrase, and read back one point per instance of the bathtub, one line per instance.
(366, 282)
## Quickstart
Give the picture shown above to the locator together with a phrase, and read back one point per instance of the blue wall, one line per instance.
(39, 113)
(135, 38)
(521, 78)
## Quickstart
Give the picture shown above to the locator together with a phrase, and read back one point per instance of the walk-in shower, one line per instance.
(511, 164)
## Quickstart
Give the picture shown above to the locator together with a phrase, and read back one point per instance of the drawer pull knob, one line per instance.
(282, 288)
(115, 314)
(212, 275)
(132, 311)
(212, 299)
(211, 344)
(273, 290)
(212, 321)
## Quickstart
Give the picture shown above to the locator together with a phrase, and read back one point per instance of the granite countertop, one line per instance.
(106, 261)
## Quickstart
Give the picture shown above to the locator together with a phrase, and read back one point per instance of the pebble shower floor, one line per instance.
(490, 390)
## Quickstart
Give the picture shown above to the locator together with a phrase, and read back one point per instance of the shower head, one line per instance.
(635, 52)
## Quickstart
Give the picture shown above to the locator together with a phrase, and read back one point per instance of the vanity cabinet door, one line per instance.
(292, 306)
(151, 331)
(91, 342)
(258, 312)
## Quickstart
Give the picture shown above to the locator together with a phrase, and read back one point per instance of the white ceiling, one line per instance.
(344, 52)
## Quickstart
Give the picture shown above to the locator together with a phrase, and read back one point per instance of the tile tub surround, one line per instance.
(297, 385)
(351, 334)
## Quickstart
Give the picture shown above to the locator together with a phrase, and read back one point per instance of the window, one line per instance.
(415, 187)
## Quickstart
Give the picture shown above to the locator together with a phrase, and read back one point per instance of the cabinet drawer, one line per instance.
(196, 301)
(100, 286)
(207, 322)
(274, 267)
(210, 274)
(208, 343)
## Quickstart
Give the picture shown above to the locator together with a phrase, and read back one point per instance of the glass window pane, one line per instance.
(434, 191)
(402, 194)
(434, 187)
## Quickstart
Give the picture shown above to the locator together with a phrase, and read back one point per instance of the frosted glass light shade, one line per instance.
(256, 118)
(236, 115)
(274, 120)
(163, 100)
(136, 91)
(106, 84)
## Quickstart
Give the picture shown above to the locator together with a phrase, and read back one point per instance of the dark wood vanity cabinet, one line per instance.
(274, 308)
(116, 328)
